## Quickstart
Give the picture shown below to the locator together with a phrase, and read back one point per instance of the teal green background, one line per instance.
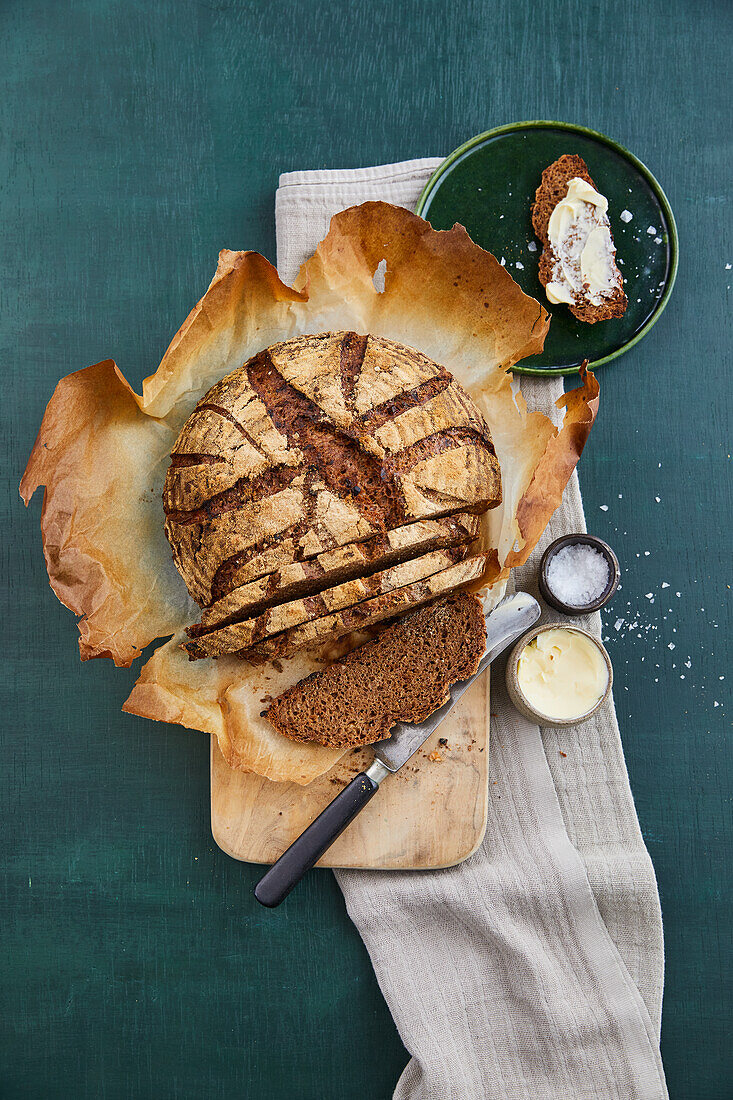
(137, 139)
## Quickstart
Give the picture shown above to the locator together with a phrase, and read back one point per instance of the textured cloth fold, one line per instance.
(533, 970)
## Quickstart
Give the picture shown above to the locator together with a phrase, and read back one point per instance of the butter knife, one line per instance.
(504, 625)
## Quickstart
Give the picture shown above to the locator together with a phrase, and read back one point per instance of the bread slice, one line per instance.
(552, 190)
(285, 616)
(358, 559)
(403, 675)
(368, 612)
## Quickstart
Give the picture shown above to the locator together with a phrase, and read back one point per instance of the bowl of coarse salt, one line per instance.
(578, 574)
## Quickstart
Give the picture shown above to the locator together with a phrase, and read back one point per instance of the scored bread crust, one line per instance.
(284, 616)
(315, 443)
(404, 674)
(298, 579)
(361, 615)
(552, 190)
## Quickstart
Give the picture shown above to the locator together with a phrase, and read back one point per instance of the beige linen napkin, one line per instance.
(533, 970)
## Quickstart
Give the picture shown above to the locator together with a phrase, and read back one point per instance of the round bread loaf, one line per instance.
(316, 443)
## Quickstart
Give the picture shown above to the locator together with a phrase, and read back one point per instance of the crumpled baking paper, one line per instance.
(102, 452)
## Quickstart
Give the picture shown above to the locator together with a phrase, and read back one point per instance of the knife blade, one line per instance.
(504, 625)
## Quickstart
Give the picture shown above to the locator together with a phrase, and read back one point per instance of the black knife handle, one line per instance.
(277, 883)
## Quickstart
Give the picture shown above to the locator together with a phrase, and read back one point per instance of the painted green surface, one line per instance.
(136, 140)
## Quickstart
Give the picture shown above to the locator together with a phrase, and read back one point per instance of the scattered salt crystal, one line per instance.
(678, 594)
(626, 216)
(577, 575)
(657, 240)
(618, 624)
(727, 267)
(604, 507)
(664, 584)
(716, 704)
(649, 596)
(502, 261)
(519, 266)
(652, 231)
(658, 500)
(671, 645)
(646, 553)
(532, 246)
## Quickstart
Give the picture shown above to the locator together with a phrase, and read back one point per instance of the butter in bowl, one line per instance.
(558, 675)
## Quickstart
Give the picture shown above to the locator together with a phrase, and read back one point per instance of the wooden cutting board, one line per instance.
(432, 813)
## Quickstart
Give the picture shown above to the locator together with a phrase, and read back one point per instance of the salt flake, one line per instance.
(626, 216)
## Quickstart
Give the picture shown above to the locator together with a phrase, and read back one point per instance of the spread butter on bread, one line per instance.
(578, 262)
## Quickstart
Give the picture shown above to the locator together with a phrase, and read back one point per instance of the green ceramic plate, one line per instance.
(488, 186)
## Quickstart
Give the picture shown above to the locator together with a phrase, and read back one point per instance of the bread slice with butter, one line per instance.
(578, 262)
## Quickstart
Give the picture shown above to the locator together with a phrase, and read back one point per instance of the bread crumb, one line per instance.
(435, 757)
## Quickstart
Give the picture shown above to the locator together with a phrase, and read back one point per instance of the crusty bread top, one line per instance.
(317, 442)
(552, 190)
(403, 675)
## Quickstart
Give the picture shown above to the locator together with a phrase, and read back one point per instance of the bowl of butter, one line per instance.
(558, 675)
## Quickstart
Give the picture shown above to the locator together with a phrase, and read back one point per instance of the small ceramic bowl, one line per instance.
(614, 573)
(519, 699)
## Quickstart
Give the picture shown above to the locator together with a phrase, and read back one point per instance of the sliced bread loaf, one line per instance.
(285, 616)
(364, 614)
(357, 559)
(403, 675)
(578, 262)
(316, 443)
